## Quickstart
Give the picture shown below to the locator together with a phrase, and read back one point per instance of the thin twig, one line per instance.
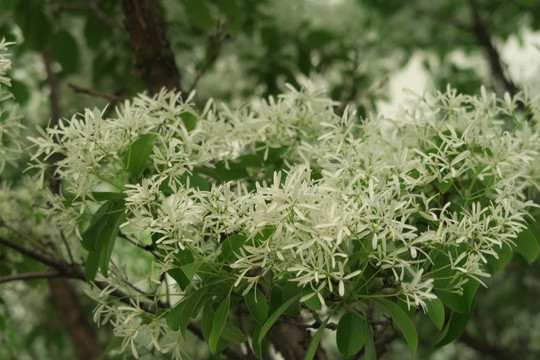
(110, 97)
(30, 276)
(25, 236)
(64, 240)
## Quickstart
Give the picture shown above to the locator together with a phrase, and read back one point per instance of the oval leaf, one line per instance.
(256, 304)
(275, 315)
(402, 322)
(351, 334)
(435, 311)
(315, 340)
(527, 245)
(220, 319)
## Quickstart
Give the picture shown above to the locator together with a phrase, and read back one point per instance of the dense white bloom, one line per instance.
(286, 191)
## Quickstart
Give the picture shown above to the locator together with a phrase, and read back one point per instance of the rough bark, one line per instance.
(153, 58)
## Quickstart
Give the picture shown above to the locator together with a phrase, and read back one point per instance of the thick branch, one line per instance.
(154, 60)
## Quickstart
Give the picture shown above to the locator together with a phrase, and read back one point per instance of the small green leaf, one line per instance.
(233, 334)
(275, 315)
(402, 322)
(351, 334)
(191, 269)
(91, 266)
(231, 245)
(190, 308)
(220, 319)
(109, 234)
(91, 235)
(189, 120)
(370, 353)
(256, 304)
(445, 186)
(255, 345)
(173, 317)
(138, 153)
(454, 328)
(314, 303)
(315, 340)
(435, 311)
(505, 256)
(290, 290)
(527, 245)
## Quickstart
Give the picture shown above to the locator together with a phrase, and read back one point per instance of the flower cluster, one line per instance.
(328, 203)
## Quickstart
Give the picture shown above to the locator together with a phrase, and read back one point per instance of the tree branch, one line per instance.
(30, 276)
(110, 97)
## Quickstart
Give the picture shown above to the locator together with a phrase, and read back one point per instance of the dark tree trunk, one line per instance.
(153, 58)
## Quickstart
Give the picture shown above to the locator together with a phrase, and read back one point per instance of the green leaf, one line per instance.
(173, 317)
(290, 290)
(91, 235)
(233, 334)
(435, 311)
(454, 328)
(445, 186)
(189, 120)
(220, 319)
(231, 245)
(185, 273)
(314, 303)
(109, 234)
(256, 304)
(315, 340)
(505, 256)
(138, 153)
(198, 13)
(370, 353)
(402, 322)
(255, 345)
(527, 245)
(65, 50)
(351, 334)
(190, 308)
(91, 266)
(275, 315)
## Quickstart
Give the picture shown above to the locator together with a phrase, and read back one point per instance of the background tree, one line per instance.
(116, 50)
